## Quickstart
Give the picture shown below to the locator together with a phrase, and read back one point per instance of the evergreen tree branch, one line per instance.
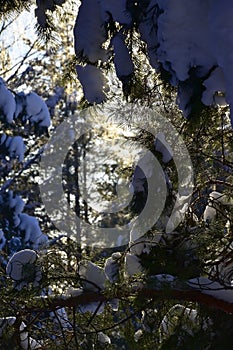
(52, 303)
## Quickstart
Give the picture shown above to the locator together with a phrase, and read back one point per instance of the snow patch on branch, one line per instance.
(89, 32)
(94, 83)
(7, 102)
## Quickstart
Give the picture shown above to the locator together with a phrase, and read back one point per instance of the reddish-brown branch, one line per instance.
(196, 296)
(54, 302)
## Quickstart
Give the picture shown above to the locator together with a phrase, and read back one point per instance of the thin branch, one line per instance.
(5, 24)
(28, 54)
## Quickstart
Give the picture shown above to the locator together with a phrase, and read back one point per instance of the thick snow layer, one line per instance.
(117, 10)
(89, 32)
(37, 110)
(221, 26)
(15, 265)
(112, 266)
(93, 82)
(33, 235)
(16, 203)
(191, 40)
(209, 213)
(197, 35)
(212, 288)
(132, 264)
(184, 36)
(17, 148)
(93, 275)
(14, 145)
(22, 268)
(103, 338)
(220, 198)
(7, 102)
(122, 59)
(215, 83)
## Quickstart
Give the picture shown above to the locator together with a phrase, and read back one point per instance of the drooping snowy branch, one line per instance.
(188, 40)
(89, 32)
(94, 83)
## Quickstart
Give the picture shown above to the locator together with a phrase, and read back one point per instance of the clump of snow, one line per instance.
(7, 102)
(209, 213)
(61, 318)
(33, 108)
(33, 236)
(122, 59)
(89, 32)
(219, 197)
(37, 110)
(15, 202)
(14, 145)
(103, 338)
(93, 276)
(22, 268)
(215, 83)
(209, 287)
(215, 198)
(221, 27)
(94, 83)
(184, 36)
(15, 244)
(137, 335)
(112, 267)
(93, 308)
(132, 265)
(26, 342)
(20, 100)
(164, 278)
